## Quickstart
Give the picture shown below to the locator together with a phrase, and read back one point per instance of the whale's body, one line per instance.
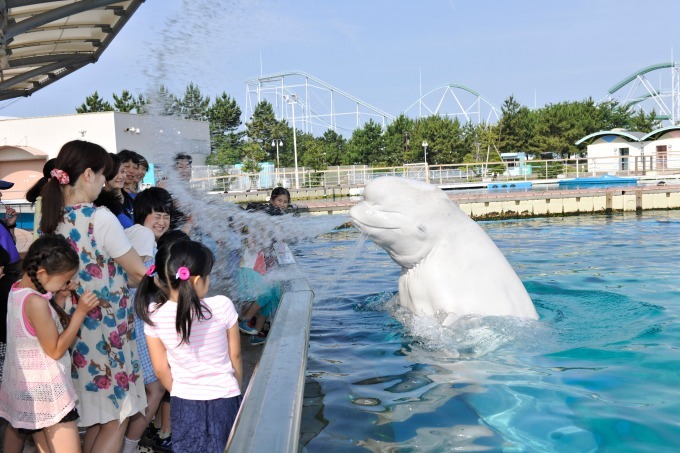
(448, 263)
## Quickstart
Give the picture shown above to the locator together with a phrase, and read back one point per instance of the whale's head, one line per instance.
(403, 216)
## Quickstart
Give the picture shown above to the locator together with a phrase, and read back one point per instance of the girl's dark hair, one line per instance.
(143, 162)
(74, 158)
(199, 260)
(111, 200)
(183, 156)
(115, 166)
(148, 201)
(126, 156)
(55, 254)
(280, 191)
(33, 193)
(148, 291)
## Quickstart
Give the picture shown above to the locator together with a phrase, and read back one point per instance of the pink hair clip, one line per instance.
(151, 271)
(60, 175)
(183, 273)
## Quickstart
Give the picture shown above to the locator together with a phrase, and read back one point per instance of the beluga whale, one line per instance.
(449, 266)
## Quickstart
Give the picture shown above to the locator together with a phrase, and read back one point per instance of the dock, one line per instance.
(536, 203)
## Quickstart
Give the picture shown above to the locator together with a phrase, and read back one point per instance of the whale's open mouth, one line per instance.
(361, 225)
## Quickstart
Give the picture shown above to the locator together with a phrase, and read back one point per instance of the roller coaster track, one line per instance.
(318, 105)
(641, 92)
(470, 108)
(322, 104)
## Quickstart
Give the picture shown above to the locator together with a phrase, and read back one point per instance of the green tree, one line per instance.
(125, 102)
(263, 127)
(642, 122)
(398, 140)
(164, 102)
(366, 145)
(444, 137)
(193, 105)
(224, 116)
(252, 156)
(94, 103)
(141, 104)
(334, 146)
(515, 127)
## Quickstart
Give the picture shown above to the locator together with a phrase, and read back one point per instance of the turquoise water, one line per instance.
(600, 370)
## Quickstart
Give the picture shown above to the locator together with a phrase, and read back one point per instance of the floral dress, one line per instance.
(105, 368)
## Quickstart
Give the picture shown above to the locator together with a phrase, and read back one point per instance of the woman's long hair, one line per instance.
(74, 158)
(33, 193)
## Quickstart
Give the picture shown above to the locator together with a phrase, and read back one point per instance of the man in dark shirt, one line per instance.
(10, 272)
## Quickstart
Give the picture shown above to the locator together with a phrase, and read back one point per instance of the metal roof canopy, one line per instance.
(42, 41)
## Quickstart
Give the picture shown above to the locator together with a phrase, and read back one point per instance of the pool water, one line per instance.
(600, 370)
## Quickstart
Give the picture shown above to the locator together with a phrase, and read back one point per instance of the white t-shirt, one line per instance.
(201, 369)
(110, 234)
(142, 239)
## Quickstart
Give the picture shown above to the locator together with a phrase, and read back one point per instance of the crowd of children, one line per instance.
(108, 324)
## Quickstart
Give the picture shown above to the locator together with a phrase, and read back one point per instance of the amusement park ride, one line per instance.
(321, 106)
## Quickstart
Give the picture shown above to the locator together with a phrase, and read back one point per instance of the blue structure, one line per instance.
(509, 185)
(599, 181)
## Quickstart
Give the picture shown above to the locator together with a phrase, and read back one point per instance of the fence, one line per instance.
(231, 179)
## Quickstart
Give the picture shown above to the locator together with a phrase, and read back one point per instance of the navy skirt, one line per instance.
(202, 426)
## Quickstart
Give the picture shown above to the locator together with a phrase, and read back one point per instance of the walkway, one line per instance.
(535, 203)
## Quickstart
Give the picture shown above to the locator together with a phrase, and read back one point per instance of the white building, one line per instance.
(26, 143)
(629, 153)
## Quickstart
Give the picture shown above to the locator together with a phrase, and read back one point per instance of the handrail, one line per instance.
(269, 419)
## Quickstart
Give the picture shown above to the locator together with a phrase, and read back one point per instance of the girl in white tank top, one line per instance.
(37, 394)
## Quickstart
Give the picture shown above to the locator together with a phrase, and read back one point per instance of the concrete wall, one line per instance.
(156, 137)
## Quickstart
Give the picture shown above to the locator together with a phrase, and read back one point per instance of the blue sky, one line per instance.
(378, 50)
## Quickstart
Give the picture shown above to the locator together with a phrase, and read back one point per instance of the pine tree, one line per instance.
(94, 103)
(224, 116)
(164, 102)
(124, 103)
(193, 105)
(264, 127)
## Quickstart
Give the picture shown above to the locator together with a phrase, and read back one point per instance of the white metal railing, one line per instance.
(232, 180)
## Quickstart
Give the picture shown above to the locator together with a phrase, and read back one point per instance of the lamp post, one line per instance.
(427, 170)
(292, 100)
(277, 143)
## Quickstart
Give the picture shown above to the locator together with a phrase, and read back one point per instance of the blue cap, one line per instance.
(4, 185)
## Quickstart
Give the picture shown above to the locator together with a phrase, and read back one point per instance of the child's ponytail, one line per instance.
(186, 261)
(153, 287)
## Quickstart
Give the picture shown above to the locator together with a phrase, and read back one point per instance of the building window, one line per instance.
(624, 158)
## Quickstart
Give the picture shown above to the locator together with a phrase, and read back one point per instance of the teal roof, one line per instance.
(659, 132)
(630, 136)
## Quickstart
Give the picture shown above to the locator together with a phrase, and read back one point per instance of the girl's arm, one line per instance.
(133, 265)
(40, 316)
(60, 297)
(159, 359)
(234, 340)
